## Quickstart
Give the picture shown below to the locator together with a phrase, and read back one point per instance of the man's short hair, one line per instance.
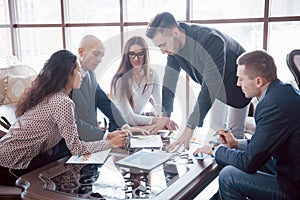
(160, 23)
(258, 63)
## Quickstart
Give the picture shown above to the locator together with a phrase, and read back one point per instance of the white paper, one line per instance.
(94, 158)
(146, 141)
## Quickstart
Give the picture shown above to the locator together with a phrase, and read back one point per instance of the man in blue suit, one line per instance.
(275, 142)
(91, 97)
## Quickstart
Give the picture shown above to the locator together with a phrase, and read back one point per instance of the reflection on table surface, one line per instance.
(181, 177)
(110, 181)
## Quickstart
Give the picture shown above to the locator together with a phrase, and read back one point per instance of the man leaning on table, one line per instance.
(275, 141)
(208, 56)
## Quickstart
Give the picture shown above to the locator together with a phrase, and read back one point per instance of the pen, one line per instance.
(133, 137)
(228, 129)
(195, 142)
(128, 131)
(78, 156)
(225, 130)
(201, 154)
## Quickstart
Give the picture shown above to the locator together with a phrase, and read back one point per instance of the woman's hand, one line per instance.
(118, 138)
(138, 130)
(113, 134)
(159, 125)
(172, 126)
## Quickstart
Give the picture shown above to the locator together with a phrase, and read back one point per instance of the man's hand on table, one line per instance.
(184, 140)
(225, 137)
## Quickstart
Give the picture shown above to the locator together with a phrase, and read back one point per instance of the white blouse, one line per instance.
(135, 116)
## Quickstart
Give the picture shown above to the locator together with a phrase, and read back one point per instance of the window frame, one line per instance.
(122, 24)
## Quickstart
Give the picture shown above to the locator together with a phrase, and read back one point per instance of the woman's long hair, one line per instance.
(125, 73)
(52, 78)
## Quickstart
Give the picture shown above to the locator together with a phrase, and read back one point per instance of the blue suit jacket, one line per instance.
(87, 99)
(277, 136)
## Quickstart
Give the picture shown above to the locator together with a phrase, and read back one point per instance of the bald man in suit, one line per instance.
(90, 97)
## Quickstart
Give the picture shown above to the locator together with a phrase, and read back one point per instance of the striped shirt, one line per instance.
(41, 128)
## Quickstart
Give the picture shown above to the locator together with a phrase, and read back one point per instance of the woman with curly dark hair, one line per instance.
(45, 115)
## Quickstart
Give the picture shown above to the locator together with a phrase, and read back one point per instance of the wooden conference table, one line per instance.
(181, 177)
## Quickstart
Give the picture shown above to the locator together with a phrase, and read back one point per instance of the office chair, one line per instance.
(8, 192)
(293, 62)
(5, 124)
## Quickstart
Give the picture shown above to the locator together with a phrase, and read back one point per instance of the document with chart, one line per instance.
(146, 141)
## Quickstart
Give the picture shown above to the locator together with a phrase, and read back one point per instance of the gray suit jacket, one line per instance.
(87, 99)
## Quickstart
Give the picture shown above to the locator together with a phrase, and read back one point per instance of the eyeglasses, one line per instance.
(139, 54)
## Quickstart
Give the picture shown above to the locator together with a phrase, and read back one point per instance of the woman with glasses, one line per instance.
(135, 84)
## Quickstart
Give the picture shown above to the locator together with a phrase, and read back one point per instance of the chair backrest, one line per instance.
(5, 124)
(293, 62)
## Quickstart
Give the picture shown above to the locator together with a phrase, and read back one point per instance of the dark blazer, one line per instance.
(277, 136)
(209, 58)
(87, 99)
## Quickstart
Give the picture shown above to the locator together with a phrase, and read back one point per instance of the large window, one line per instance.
(279, 8)
(143, 10)
(93, 11)
(282, 39)
(5, 32)
(37, 12)
(33, 29)
(35, 47)
(229, 9)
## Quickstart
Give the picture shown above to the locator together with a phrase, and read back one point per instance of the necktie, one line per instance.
(88, 82)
